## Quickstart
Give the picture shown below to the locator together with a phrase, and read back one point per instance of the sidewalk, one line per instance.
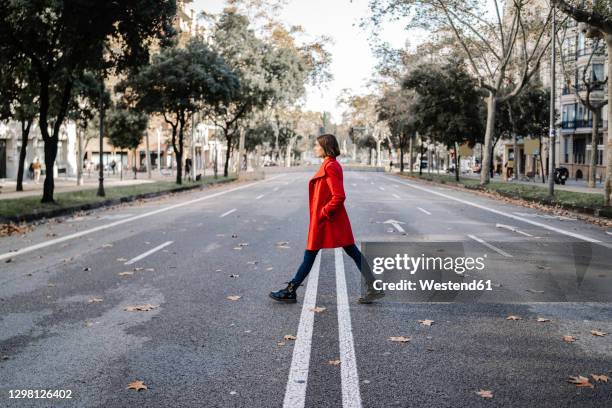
(66, 184)
(570, 185)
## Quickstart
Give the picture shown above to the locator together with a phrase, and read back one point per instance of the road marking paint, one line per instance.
(423, 210)
(227, 213)
(494, 248)
(396, 224)
(295, 393)
(514, 217)
(259, 196)
(123, 221)
(513, 229)
(608, 232)
(149, 252)
(351, 396)
(396, 196)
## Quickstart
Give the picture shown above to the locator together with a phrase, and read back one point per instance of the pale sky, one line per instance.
(353, 62)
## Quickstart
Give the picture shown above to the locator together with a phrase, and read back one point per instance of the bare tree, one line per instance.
(504, 44)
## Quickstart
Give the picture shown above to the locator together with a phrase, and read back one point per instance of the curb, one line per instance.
(106, 203)
(594, 211)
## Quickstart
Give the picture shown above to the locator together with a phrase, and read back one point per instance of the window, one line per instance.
(579, 150)
(598, 72)
(566, 149)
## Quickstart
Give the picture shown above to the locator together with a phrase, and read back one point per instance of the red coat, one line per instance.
(329, 223)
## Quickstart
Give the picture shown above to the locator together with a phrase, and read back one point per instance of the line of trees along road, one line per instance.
(57, 55)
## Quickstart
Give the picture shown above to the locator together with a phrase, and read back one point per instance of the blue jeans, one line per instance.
(351, 250)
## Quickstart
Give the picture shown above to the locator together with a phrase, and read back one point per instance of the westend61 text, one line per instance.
(428, 284)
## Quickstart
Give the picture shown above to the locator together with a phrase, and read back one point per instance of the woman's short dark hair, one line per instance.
(329, 144)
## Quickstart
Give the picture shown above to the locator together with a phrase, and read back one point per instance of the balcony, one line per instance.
(582, 88)
(587, 51)
(582, 123)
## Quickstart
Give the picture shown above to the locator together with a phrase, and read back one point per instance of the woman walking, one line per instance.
(329, 223)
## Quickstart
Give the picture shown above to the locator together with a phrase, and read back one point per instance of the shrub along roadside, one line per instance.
(587, 203)
(30, 208)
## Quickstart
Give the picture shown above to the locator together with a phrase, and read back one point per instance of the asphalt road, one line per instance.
(63, 295)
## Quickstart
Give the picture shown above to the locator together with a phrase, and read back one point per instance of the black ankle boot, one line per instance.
(286, 295)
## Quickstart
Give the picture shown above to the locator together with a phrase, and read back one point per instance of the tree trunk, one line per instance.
(228, 152)
(488, 148)
(515, 149)
(148, 151)
(25, 132)
(594, 138)
(421, 158)
(135, 167)
(80, 157)
(49, 183)
(608, 182)
(401, 157)
(457, 161)
(179, 153)
(410, 153)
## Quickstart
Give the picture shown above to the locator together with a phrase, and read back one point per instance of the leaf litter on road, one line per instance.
(137, 385)
(233, 297)
(485, 393)
(580, 381)
(426, 322)
(399, 339)
(140, 308)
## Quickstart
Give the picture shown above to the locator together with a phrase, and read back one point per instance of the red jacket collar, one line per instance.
(321, 171)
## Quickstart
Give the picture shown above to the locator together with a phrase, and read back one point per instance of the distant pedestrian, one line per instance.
(330, 226)
(31, 171)
(37, 167)
(188, 169)
(113, 165)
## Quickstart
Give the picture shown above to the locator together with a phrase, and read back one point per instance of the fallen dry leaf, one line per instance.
(289, 337)
(121, 259)
(269, 268)
(399, 339)
(601, 377)
(234, 276)
(107, 245)
(140, 308)
(150, 269)
(580, 381)
(95, 300)
(512, 317)
(318, 309)
(426, 322)
(233, 297)
(334, 362)
(280, 343)
(485, 393)
(137, 385)
(243, 244)
(9, 229)
(126, 273)
(568, 339)
(542, 320)
(598, 333)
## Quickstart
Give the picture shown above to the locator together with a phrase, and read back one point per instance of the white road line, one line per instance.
(227, 213)
(259, 196)
(494, 248)
(513, 229)
(149, 252)
(123, 221)
(608, 232)
(295, 393)
(514, 217)
(396, 196)
(423, 210)
(351, 396)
